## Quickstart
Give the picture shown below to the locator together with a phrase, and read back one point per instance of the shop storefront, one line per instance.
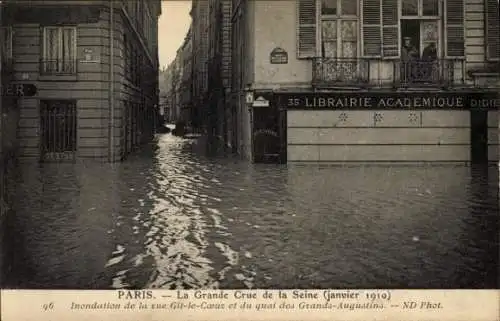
(379, 127)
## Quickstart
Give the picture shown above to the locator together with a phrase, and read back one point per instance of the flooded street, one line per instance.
(172, 217)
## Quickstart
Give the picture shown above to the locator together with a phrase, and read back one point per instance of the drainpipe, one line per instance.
(111, 83)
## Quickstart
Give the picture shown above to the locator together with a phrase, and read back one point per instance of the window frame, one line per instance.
(338, 18)
(60, 55)
(439, 19)
(489, 57)
(420, 9)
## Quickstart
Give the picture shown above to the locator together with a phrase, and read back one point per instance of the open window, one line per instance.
(421, 25)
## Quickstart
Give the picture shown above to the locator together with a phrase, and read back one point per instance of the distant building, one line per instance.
(200, 36)
(221, 115)
(164, 87)
(371, 80)
(186, 79)
(177, 74)
(82, 107)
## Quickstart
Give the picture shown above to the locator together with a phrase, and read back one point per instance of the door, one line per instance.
(58, 130)
(265, 135)
(421, 50)
(479, 136)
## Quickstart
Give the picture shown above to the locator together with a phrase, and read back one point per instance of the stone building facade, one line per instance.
(187, 112)
(200, 37)
(219, 71)
(343, 80)
(94, 65)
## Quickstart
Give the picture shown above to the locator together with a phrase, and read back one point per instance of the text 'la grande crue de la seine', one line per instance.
(261, 300)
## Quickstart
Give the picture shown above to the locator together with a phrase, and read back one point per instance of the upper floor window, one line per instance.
(492, 30)
(59, 50)
(377, 28)
(339, 7)
(339, 28)
(419, 8)
(420, 26)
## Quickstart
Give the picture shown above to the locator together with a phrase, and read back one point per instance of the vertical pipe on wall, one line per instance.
(111, 83)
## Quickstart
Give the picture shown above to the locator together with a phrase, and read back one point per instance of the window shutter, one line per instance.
(455, 38)
(306, 28)
(390, 29)
(492, 30)
(372, 31)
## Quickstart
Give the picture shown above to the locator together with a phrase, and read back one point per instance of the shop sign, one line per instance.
(19, 90)
(427, 100)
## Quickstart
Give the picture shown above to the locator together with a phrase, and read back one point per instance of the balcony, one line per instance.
(379, 73)
(332, 72)
(422, 73)
(62, 67)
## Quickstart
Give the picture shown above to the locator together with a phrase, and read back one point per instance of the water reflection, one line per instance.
(173, 217)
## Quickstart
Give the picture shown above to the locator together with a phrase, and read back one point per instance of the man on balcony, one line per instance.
(429, 63)
(409, 56)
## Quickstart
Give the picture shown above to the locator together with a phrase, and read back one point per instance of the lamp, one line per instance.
(249, 96)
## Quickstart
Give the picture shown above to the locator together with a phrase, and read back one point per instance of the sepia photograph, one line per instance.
(249, 144)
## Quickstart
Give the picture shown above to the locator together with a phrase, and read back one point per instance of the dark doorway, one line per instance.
(58, 130)
(283, 134)
(266, 135)
(411, 29)
(479, 136)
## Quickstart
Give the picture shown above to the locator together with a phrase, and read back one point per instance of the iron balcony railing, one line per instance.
(340, 71)
(420, 72)
(369, 72)
(58, 67)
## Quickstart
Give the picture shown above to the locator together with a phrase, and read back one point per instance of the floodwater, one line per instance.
(172, 217)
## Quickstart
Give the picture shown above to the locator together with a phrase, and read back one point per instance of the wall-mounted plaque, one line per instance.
(89, 56)
(279, 56)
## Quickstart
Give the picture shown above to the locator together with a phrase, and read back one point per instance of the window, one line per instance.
(339, 28)
(377, 27)
(420, 24)
(420, 7)
(492, 31)
(59, 50)
(58, 128)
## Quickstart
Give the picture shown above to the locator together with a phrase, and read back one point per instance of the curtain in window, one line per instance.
(329, 38)
(349, 36)
(51, 49)
(68, 50)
